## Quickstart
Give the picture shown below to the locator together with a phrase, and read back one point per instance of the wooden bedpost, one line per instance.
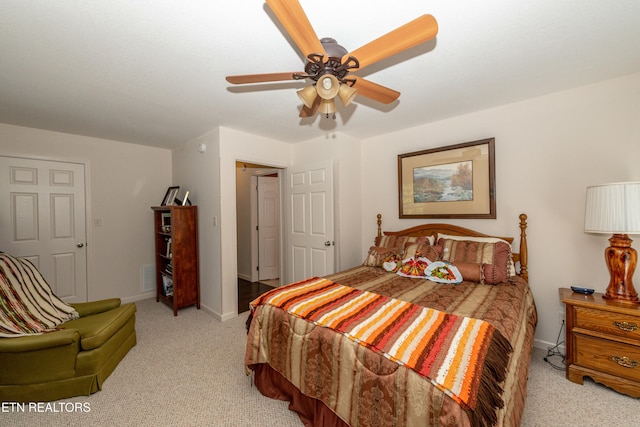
(379, 228)
(524, 254)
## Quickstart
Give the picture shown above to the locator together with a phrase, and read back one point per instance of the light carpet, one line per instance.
(188, 370)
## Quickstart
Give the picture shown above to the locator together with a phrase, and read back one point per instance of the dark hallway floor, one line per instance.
(248, 291)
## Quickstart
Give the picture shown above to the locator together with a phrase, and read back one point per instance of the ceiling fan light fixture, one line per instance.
(329, 64)
(327, 107)
(328, 86)
(308, 95)
(346, 94)
(332, 48)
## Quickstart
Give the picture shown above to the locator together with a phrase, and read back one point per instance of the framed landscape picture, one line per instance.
(456, 181)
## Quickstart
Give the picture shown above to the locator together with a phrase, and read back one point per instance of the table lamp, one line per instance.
(615, 209)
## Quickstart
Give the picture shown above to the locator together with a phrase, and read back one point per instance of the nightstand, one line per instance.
(603, 341)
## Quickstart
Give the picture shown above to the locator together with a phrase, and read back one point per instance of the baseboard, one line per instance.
(139, 297)
(546, 345)
(244, 277)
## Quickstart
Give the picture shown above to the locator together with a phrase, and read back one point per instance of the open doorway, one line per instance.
(259, 225)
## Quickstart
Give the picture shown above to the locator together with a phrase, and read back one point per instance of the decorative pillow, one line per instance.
(493, 274)
(394, 241)
(377, 255)
(391, 241)
(422, 249)
(414, 267)
(494, 257)
(512, 267)
(430, 240)
(443, 272)
(471, 272)
(392, 262)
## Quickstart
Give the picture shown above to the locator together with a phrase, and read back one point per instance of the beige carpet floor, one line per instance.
(187, 371)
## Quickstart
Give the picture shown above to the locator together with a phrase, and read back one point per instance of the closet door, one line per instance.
(42, 218)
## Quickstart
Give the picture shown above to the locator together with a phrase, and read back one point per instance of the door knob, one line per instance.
(327, 243)
(80, 245)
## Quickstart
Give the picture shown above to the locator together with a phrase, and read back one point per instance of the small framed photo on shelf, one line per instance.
(170, 196)
(166, 222)
(184, 201)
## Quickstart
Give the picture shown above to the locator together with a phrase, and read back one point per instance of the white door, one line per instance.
(42, 218)
(268, 228)
(310, 240)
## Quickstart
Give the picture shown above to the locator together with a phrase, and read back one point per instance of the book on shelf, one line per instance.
(169, 253)
(167, 286)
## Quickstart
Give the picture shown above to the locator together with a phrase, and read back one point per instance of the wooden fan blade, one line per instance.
(260, 78)
(310, 112)
(402, 38)
(295, 21)
(375, 91)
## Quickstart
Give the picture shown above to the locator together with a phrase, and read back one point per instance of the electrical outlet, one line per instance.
(560, 317)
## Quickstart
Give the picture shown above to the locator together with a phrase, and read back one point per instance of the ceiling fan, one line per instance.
(329, 65)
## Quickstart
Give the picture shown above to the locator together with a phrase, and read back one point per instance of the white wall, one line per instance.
(200, 174)
(123, 182)
(235, 145)
(244, 211)
(548, 150)
(211, 176)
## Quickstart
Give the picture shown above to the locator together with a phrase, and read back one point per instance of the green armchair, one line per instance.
(72, 360)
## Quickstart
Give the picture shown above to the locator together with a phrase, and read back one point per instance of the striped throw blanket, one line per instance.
(27, 303)
(466, 358)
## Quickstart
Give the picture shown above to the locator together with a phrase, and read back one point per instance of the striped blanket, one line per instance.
(465, 358)
(27, 303)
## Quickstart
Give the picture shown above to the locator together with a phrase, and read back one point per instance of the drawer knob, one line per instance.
(626, 326)
(625, 361)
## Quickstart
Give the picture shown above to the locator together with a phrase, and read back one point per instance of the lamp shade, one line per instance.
(613, 208)
(327, 106)
(346, 94)
(328, 86)
(308, 95)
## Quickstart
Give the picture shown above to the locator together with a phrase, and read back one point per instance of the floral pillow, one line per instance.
(443, 272)
(392, 262)
(414, 267)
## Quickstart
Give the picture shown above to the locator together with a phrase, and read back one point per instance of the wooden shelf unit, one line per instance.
(179, 262)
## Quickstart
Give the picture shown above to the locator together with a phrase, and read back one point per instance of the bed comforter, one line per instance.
(362, 387)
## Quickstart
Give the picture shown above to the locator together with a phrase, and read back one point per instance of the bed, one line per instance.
(406, 373)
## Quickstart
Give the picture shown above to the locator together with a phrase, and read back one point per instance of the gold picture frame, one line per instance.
(456, 181)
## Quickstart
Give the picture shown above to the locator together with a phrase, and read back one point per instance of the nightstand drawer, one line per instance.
(609, 323)
(608, 356)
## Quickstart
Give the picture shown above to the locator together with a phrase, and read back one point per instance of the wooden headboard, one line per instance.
(520, 258)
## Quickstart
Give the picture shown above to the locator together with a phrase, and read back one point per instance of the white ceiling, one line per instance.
(152, 71)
